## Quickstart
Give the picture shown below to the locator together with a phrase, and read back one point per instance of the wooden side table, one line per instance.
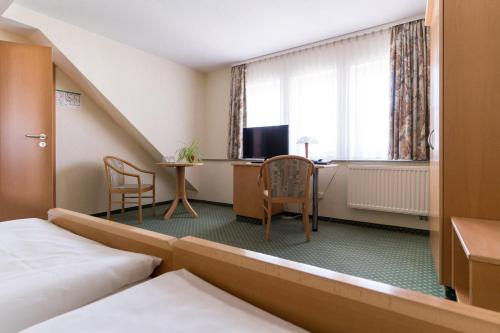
(180, 188)
(476, 261)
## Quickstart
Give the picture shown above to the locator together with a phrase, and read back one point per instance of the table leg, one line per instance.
(315, 200)
(180, 194)
(171, 209)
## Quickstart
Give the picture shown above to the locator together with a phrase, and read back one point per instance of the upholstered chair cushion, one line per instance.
(287, 178)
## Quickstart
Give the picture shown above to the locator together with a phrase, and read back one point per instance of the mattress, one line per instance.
(173, 302)
(46, 271)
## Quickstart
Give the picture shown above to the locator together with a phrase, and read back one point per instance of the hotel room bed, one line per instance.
(46, 270)
(173, 302)
(311, 298)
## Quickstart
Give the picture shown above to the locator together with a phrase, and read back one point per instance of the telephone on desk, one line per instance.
(322, 162)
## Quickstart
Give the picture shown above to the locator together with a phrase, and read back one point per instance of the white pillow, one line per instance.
(46, 271)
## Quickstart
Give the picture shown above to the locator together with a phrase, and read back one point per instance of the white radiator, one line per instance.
(399, 189)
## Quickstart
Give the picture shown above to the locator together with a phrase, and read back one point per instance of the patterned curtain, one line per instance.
(410, 70)
(237, 112)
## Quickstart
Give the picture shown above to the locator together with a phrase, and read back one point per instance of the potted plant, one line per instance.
(189, 153)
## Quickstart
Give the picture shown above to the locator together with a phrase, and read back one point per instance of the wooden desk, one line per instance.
(247, 200)
(476, 262)
(247, 196)
(180, 188)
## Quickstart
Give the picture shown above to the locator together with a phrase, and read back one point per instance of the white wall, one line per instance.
(13, 37)
(163, 101)
(216, 124)
(84, 137)
(4, 4)
(217, 176)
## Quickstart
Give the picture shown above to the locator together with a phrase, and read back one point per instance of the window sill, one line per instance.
(335, 161)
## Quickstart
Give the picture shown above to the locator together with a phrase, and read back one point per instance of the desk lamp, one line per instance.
(306, 140)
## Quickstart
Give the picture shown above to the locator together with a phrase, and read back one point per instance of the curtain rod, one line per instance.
(330, 40)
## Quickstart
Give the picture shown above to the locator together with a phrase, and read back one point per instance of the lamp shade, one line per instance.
(306, 139)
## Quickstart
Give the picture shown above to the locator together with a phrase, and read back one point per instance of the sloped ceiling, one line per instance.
(4, 4)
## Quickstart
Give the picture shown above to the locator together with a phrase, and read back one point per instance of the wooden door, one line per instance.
(26, 107)
(434, 21)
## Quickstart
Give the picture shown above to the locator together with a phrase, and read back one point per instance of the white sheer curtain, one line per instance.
(337, 94)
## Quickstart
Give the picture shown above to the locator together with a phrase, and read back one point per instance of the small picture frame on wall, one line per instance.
(67, 99)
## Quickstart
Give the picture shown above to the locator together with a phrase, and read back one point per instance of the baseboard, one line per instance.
(129, 209)
(212, 202)
(286, 213)
(168, 202)
(328, 219)
(368, 224)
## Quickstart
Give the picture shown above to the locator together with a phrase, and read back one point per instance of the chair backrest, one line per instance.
(287, 176)
(111, 164)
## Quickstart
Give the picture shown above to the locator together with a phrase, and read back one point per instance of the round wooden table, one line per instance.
(180, 191)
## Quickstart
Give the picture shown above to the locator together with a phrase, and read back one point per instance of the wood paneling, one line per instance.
(321, 300)
(26, 107)
(435, 167)
(464, 118)
(471, 115)
(485, 285)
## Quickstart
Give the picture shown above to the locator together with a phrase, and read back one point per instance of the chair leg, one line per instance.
(305, 219)
(264, 213)
(140, 207)
(123, 203)
(154, 201)
(108, 215)
(269, 219)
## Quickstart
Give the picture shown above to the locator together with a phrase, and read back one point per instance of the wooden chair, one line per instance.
(116, 176)
(286, 180)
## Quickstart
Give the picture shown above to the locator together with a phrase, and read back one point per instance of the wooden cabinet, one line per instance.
(464, 118)
(247, 198)
(476, 262)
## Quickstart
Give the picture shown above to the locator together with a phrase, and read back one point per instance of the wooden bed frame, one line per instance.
(316, 299)
(321, 300)
(117, 235)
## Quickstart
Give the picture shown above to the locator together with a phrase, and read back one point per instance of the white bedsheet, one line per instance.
(173, 302)
(46, 271)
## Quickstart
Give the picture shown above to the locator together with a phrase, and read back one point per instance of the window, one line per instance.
(338, 94)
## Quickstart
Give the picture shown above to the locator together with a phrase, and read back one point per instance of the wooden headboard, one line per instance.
(118, 236)
(321, 300)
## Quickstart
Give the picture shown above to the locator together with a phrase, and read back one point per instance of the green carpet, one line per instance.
(393, 257)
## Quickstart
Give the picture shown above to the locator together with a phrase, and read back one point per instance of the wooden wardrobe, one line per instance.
(464, 118)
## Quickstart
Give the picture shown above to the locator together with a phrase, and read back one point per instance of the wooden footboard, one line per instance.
(320, 300)
(117, 235)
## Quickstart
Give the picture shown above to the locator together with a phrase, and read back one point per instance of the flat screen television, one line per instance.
(265, 142)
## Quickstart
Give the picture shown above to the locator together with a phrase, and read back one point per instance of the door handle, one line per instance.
(41, 136)
(429, 140)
